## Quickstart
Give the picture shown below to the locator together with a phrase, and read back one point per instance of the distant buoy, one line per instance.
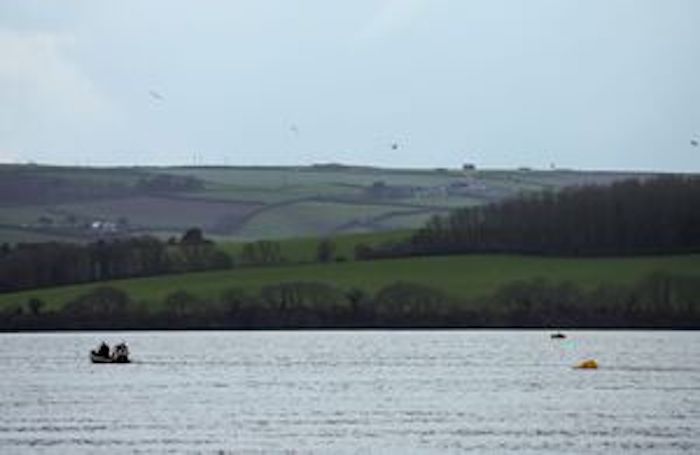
(587, 365)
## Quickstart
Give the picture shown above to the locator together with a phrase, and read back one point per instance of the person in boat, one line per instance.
(103, 350)
(121, 350)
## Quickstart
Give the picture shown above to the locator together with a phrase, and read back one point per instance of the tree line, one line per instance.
(633, 217)
(35, 265)
(659, 300)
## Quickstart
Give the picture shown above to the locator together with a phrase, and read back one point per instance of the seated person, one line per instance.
(104, 350)
(121, 350)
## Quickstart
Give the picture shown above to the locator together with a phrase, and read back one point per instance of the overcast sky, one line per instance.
(588, 84)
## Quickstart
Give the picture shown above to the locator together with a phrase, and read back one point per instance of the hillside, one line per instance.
(457, 276)
(246, 203)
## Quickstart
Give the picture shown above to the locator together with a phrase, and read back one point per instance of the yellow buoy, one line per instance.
(587, 365)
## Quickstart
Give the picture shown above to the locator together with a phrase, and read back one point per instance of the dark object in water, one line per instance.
(120, 354)
(557, 336)
(589, 364)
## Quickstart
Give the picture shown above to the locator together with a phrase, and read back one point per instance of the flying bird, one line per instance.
(694, 142)
(294, 129)
(394, 146)
(155, 95)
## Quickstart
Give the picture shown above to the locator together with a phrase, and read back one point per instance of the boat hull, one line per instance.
(96, 358)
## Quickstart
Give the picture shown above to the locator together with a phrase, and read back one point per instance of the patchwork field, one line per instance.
(249, 203)
(160, 213)
(320, 218)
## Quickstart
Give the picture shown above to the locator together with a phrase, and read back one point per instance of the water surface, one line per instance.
(331, 392)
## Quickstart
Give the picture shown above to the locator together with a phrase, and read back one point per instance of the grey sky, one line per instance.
(594, 84)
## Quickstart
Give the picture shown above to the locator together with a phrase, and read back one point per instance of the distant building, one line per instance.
(103, 226)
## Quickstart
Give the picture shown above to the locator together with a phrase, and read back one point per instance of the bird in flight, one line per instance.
(155, 95)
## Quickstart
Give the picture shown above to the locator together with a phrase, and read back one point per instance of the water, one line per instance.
(349, 392)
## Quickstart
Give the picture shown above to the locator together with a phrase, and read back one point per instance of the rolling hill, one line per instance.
(248, 203)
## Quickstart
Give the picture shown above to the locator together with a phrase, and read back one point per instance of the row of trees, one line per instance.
(659, 301)
(34, 265)
(29, 266)
(631, 217)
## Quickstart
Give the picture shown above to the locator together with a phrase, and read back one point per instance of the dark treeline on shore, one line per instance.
(655, 216)
(31, 266)
(658, 301)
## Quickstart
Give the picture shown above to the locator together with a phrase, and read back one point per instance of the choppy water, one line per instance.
(347, 392)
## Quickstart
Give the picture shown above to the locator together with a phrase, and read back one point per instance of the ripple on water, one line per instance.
(340, 391)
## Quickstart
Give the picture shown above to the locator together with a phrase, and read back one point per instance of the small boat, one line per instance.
(120, 354)
(557, 336)
(96, 358)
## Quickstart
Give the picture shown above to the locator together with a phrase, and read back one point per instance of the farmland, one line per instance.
(250, 203)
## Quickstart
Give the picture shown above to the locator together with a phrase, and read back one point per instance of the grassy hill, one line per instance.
(460, 276)
(249, 203)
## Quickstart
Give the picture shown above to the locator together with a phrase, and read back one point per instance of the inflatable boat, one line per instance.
(120, 354)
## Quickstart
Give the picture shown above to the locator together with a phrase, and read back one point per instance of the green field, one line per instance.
(459, 276)
(300, 250)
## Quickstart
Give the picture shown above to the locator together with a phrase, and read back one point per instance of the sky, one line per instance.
(576, 84)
